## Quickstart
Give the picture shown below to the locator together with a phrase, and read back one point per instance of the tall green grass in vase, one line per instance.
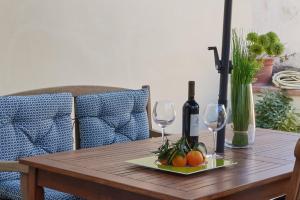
(244, 69)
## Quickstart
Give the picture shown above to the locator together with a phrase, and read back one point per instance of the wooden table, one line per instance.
(263, 171)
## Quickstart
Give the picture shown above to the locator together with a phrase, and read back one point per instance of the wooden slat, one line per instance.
(13, 166)
(91, 191)
(265, 192)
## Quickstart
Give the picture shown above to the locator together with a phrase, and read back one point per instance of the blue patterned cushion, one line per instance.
(112, 117)
(11, 190)
(33, 125)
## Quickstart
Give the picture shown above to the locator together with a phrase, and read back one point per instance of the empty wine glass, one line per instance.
(163, 115)
(215, 118)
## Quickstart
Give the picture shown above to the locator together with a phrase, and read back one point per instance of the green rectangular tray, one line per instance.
(210, 164)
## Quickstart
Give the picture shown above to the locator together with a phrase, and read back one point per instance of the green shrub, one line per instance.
(264, 45)
(274, 111)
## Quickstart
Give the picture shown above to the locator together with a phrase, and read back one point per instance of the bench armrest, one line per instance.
(13, 166)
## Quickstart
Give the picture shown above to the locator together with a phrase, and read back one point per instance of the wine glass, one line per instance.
(163, 115)
(215, 118)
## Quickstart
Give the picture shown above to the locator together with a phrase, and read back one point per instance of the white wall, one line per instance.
(283, 17)
(123, 43)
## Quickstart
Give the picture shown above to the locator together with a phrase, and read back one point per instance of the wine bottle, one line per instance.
(190, 117)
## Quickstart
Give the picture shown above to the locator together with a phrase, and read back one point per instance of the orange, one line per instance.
(179, 161)
(194, 158)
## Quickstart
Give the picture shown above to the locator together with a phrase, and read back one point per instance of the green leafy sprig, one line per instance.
(245, 67)
(168, 151)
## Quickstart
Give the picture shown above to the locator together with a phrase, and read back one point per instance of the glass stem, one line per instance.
(214, 143)
(163, 135)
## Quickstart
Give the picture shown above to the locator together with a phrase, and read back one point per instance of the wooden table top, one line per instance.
(270, 159)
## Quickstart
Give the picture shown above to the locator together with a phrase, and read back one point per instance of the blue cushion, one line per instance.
(33, 125)
(112, 117)
(11, 190)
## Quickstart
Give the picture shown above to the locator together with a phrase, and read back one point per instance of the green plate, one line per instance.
(211, 163)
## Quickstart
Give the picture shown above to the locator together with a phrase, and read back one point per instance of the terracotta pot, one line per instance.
(264, 75)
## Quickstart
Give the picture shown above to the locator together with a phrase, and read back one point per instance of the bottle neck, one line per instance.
(191, 92)
(191, 98)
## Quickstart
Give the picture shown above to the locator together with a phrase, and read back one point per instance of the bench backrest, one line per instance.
(78, 91)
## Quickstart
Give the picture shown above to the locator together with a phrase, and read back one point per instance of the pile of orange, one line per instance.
(180, 154)
(193, 159)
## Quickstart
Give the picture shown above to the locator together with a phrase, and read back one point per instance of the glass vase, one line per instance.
(240, 131)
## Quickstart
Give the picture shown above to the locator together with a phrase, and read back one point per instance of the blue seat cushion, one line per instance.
(112, 117)
(34, 125)
(10, 189)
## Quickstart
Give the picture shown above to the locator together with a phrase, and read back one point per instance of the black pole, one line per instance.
(224, 71)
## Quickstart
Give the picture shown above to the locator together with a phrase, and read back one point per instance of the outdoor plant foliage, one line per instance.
(264, 45)
(244, 69)
(274, 111)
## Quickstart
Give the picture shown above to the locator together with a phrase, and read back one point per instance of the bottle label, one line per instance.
(194, 126)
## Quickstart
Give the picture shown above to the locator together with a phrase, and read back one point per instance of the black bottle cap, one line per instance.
(191, 89)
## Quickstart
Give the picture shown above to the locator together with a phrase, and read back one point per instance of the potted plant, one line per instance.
(244, 69)
(264, 48)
